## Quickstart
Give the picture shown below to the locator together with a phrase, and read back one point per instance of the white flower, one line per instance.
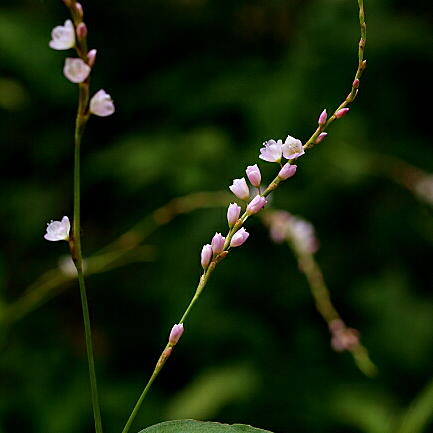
(76, 70)
(63, 37)
(271, 151)
(101, 104)
(292, 148)
(58, 230)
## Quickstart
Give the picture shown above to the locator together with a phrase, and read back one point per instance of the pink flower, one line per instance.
(254, 175)
(322, 118)
(175, 334)
(63, 37)
(240, 188)
(233, 212)
(256, 204)
(58, 230)
(218, 243)
(288, 170)
(101, 104)
(340, 113)
(239, 238)
(292, 148)
(76, 70)
(271, 151)
(206, 255)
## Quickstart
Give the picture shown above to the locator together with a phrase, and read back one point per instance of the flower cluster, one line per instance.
(77, 69)
(272, 151)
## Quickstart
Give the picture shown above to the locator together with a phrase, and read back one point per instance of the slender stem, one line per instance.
(75, 245)
(169, 347)
(362, 64)
(90, 359)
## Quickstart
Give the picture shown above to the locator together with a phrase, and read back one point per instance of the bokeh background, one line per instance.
(198, 85)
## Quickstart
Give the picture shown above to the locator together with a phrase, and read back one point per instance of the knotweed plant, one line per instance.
(251, 190)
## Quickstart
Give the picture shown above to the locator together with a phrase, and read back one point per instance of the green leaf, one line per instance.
(191, 426)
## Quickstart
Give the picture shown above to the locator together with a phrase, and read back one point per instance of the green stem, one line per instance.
(75, 245)
(169, 347)
(90, 359)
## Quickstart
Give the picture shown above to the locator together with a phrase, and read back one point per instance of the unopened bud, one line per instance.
(321, 137)
(322, 118)
(175, 334)
(206, 255)
(256, 204)
(81, 31)
(79, 10)
(217, 243)
(233, 212)
(355, 83)
(287, 170)
(91, 57)
(363, 64)
(239, 238)
(340, 113)
(254, 175)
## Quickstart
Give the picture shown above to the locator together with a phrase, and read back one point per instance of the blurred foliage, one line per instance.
(198, 85)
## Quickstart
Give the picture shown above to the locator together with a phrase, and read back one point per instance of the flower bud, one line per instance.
(321, 137)
(79, 10)
(239, 238)
(287, 170)
(206, 255)
(256, 204)
(322, 118)
(91, 57)
(340, 113)
(355, 83)
(240, 188)
(254, 175)
(233, 212)
(218, 243)
(81, 31)
(175, 334)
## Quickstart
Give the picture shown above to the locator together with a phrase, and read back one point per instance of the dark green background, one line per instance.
(198, 85)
